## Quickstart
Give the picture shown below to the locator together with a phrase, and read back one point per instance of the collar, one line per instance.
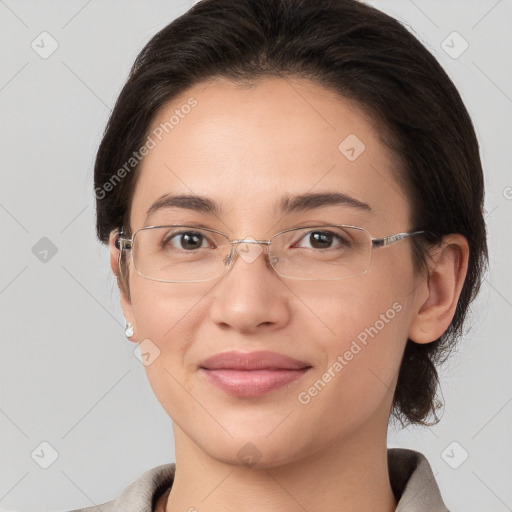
(413, 482)
(410, 474)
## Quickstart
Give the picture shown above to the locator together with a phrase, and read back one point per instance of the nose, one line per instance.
(251, 296)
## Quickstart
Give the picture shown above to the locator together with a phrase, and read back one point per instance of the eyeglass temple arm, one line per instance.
(122, 243)
(388, 240)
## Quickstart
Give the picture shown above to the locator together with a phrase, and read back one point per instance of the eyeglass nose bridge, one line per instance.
(250, 241)
(232, 255)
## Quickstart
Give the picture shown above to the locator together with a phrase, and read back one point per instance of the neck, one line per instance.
(349, 475)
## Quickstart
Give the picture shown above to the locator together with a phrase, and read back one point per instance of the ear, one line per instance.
(438, 293)
(125, 299)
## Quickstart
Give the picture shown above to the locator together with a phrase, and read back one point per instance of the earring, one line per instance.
(128, 332)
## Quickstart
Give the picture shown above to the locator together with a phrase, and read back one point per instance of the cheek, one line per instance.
(359, 308)
(161, 309)
(368, 328)
(168, 315)
(361, 326)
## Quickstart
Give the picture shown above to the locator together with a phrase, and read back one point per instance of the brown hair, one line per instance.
(365, 56)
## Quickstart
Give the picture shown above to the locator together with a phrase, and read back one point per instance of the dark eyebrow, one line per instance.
(189, 202)
(288, 204)
(311, 201)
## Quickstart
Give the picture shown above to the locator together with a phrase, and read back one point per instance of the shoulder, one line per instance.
(140, 495)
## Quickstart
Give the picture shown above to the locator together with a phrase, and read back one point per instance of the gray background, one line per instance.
(68, 376)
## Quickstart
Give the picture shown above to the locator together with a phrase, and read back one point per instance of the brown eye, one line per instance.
(324, 240)
(186, 240)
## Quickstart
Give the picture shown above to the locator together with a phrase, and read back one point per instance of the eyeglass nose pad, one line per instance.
(227, 259)
(230, 257)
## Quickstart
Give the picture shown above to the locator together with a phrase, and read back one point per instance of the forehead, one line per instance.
(248, 146)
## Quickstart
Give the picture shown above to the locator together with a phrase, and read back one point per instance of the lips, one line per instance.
(251, 374)
(262, 360)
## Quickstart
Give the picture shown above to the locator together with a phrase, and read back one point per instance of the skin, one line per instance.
(246, 147)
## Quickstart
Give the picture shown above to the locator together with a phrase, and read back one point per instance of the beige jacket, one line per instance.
(410, 474)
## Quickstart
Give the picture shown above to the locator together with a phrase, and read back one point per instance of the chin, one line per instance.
(256, 451)
(251, 455)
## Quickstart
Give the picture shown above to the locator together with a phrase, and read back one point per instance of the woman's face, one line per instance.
(246, 149)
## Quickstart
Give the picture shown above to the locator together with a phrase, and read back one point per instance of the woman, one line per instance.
(292, 196)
